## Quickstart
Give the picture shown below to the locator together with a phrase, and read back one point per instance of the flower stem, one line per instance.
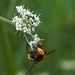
(9, 21)
(6, 20)
(32, 36)
(26, 38)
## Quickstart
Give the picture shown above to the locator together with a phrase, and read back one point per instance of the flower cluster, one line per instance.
(35, 41)
(26, 21)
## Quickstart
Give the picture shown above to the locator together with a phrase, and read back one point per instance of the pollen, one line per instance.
(40, 51)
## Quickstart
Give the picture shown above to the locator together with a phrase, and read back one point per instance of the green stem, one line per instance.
(9, 21)
(26, 38)
(32, 36)
(6, 20)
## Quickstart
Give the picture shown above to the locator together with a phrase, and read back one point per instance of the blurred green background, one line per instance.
(58, 30)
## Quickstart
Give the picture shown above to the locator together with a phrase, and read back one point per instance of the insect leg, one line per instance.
(27, 48)
(34, 45)
(31, 68)
(49, 52)
(30, 49)
(39, 45)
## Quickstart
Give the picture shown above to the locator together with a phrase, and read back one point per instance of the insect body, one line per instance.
(36, 56)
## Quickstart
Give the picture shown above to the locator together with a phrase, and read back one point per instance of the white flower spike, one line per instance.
(26, 21)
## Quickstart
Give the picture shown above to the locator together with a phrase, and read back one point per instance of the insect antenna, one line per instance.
(30, 68)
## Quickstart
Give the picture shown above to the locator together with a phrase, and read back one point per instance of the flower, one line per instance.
(35, 36)
(29, 31)
(31, 44)
(35, 41)
(24, 29)
(26, 21)
(20, 9)
(33, 29)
